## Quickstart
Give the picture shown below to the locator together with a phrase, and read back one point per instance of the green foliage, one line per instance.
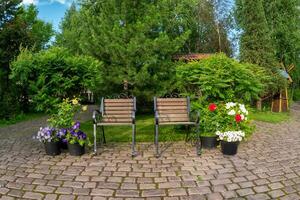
(19, 26)
(136, 40)
(256, 46)
(52, 75)
(283, 20)
(220, 78)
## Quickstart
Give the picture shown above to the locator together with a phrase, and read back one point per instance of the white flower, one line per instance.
(243, 109)
(232, 112)
(230, 105)
(242, 116)
(231, 136)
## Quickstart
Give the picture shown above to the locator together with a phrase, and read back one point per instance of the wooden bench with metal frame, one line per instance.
(174, 111)
(115, 112)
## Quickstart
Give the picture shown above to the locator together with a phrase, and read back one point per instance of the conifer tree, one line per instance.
(255, 43)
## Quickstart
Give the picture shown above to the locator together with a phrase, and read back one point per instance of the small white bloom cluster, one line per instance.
(242, 109)
(231, 136)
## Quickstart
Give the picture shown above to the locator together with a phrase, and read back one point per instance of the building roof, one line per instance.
(193, 56)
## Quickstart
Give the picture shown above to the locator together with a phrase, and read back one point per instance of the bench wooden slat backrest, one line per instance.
(117, 110)
(172, 109)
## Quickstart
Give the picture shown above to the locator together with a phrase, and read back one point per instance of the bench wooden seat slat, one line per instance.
(118, 100)
(128, 108)
(173, 115)
(167, 107)
(117, 116)
(172, 103)
(182, 119)
(171, 100)
(171, 111)
(119, 104)
(118, 112)
(177, 123)
(115, 120)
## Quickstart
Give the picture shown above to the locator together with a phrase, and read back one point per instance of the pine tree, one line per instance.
(255, 43)
(136, 40)
(284, 23)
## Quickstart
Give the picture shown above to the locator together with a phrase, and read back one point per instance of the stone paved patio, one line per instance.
(266, 167)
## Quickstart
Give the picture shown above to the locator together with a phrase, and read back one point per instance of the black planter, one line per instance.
(229, 148)
(63, 145)
(76, 149)
(209, 142)
(52, 148)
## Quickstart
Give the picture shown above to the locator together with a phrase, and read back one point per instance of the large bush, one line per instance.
(45, 78)
(220, 78)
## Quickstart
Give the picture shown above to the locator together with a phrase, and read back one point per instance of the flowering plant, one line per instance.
(210, 115)
(234, 123)
(231, 136)
(75, 136)
(47, 134)
(66, 111)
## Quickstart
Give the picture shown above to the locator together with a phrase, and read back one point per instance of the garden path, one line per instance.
(266, 167)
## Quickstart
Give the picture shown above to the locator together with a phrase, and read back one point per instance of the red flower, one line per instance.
(238, 118)
(212, 107)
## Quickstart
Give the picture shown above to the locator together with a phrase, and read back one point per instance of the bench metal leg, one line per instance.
(198, 144)
(133, 140)
(95, 138)
(103, 135)
(156, 141)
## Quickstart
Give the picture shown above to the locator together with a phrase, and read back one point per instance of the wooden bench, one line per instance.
(115, 112)
(174, 111)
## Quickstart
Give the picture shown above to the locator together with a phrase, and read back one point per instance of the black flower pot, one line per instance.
(209, 142)
(229, 148)
(63, 145)
(52, 148)
(76, 149)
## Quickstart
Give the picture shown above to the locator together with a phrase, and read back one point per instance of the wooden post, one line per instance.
(259, 104)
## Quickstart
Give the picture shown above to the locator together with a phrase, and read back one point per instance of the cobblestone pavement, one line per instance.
(266, 167)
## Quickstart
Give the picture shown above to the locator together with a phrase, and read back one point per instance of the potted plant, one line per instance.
(233, 124)
(76, 140)
(208, 124)
(48, 136)
(63, 117)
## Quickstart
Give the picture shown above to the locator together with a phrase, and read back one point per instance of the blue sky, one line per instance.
(51, 10)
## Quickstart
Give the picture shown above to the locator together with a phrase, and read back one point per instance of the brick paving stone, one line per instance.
(246, 184)
(276, 193)
(261, 188)
(50, 197)
(127, 193)
(33, 195)
(293, 196)
(102, 192)
(84, 198)
(15, 193)
(199, 190)
(81, 191)
(44, 189)
(177, 192)
(154, 193)
(214, 196)
(167, 185)
(64, 190)
(229, 194)
(275, 186)
(66, 197)
(146, 186)
(245, 192)
(258, 197)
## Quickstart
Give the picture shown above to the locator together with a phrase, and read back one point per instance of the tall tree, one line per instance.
(255, 42)
(283, 17)
(136, 40)
(19, 28)
(70, 35)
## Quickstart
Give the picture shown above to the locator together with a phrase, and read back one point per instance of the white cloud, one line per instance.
(26, 2)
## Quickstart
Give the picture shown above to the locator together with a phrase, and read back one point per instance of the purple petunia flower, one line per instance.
(76, 126)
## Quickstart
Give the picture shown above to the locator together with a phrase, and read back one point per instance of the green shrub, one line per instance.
(51, 75)
(220, 78)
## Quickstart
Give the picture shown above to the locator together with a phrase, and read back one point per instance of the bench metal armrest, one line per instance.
(133, 117)
(156, 117)
(197, 117)
(96, 113)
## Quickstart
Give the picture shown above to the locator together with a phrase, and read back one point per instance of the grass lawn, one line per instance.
(20, 118)
(268, 116)
(144, 131)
